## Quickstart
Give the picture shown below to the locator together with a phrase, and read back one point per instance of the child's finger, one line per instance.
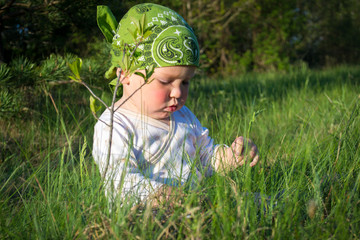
(238, 146)
(255, 160)
(253, 154)
(241, 161)
(233, 158)
(253, 151)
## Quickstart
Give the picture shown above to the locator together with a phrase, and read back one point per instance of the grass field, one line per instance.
(306, 125)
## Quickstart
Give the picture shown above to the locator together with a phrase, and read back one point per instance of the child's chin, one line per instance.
(164, 116)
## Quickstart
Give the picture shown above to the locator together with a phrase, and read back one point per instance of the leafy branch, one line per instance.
(128, 66)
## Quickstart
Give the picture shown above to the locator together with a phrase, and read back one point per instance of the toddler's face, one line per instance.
(166, 93)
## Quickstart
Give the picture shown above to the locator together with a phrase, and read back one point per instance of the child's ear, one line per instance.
(124, 80)
(118, 71)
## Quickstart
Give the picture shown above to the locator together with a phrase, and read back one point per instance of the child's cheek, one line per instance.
(160, 96)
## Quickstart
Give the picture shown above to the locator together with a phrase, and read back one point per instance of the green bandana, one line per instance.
(172, 42)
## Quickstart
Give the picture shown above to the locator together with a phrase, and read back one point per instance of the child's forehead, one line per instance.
(175, 72)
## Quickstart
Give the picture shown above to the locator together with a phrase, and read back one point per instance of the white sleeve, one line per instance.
(123, 175)
(206, 146)
(207, 150)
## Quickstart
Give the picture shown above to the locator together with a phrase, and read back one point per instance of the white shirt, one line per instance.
(147, 153)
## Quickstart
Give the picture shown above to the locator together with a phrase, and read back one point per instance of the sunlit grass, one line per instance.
(306, 125)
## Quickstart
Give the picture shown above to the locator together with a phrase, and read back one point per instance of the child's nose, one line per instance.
(175, 92)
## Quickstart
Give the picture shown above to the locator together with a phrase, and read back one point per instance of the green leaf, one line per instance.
(140, 74)
(147, 34)
(126, 62)
(111, 72)
(133, 33)
(136, 22)
(113, 82)
(93, 107)
(150, 70)
(75, 68)
(73, 78)
(142, 24)
(135, 67)
(92, 104)
(106, 22)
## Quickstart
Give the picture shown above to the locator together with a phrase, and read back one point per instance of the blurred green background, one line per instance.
(235, 35)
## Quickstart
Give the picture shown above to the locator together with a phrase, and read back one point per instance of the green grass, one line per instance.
(306, 125)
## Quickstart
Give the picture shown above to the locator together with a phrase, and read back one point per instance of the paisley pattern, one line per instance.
(191, 50)
(174, 46)
(169, 50)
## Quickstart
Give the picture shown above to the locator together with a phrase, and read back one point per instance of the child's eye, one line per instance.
(164, 82)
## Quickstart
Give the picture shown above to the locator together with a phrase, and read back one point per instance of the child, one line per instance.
(158, 144)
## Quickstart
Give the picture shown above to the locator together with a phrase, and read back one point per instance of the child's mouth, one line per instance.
(171, 108)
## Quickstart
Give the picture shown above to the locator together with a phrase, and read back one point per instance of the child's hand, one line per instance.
(238, 154)
(244, 150)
